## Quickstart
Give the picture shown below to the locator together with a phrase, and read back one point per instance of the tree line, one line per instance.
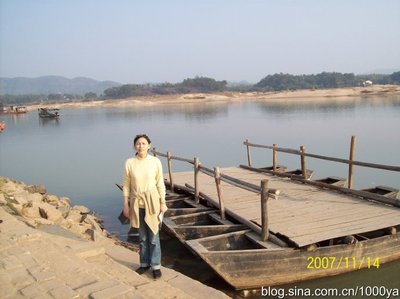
(282, 81)
(190, 85)
(276, 82)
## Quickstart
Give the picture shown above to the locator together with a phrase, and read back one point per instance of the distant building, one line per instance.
(367, 83)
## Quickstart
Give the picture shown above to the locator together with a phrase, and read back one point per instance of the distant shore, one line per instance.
(305, 95)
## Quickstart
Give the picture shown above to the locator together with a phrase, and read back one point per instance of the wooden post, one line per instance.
(248, 153)
(264, 210)
(171, 181)
(274, 158)
(196, 180)
(351, 158)
(217, 176)
(303, 162)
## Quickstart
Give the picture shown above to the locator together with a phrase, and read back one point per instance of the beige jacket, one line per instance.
(151, 201)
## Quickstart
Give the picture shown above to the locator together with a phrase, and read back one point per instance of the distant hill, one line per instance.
(53, 84)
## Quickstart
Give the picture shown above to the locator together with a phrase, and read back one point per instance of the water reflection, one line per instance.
(49, 121)
(197, 112)
(327, 106)
(13, 118)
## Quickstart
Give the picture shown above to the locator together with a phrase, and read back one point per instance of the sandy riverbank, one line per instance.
(306, 95)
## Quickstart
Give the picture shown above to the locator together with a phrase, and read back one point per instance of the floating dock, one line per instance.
(265, 226)
(304, 214)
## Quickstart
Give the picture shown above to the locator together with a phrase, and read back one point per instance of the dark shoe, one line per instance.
(156, 273)
(142, 270)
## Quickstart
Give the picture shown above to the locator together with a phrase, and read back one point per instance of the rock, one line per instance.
(30, 212)
(74, 216)
(64, 223)
(42, 221)
(51, 199)
(39, 208)
(79, 229)
(10, 187)
(91, 220)
(64, 210)
(81, 209)
(31, 222)
(95, 235)
(92, 234)
(49, 212)
(35, 198)
(17, 208)
(65, 201)
(35, 222)
(21, 197)
(36, 189)
(43, 213)
(3, 200)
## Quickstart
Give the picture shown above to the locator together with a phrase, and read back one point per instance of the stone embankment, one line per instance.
(50, 249)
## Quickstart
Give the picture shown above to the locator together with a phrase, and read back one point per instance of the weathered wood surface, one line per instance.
(305, 214)
(245, 269)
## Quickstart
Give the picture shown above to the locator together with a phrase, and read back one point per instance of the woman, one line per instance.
(144, 201)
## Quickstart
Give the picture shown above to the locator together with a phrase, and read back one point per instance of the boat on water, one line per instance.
(187, 220)
(300, 229)
(246, 262)
(48, 112)
(14, 110)
(234, 248)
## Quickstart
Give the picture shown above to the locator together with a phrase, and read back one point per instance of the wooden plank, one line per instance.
(306, 214)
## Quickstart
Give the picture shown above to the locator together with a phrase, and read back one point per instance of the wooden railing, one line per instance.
(302, 153)
(303, 178)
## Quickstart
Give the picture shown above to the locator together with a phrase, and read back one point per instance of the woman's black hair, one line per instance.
(141, 136)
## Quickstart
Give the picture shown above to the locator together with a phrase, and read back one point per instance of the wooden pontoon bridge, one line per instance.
(258, 226)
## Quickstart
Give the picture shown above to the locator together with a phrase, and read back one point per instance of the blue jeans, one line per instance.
(149, 244)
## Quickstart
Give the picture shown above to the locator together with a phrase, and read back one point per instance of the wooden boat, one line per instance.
(182, 204)
(245, 262)
(188, 220)
(279, 168)
(333, 181)
(385, 191)
(48, 112)
(312, 229)
(298, 172)
(14, 110)
(236, 252)
(199, 225)
(282, 171)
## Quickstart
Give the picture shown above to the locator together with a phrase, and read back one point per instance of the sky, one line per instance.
(131, 41)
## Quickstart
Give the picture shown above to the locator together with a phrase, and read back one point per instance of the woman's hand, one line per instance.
(163, 208)
(126, 211)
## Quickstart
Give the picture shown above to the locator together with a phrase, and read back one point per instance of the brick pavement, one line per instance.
(37, 264)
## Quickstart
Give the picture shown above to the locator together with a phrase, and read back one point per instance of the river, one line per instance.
(82, 154)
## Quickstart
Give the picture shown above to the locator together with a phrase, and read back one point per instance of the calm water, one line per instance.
(82, 154)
